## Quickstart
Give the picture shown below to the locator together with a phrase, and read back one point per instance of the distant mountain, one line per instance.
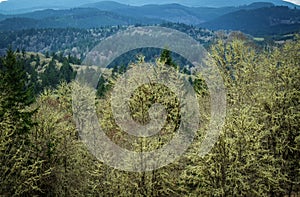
(18, 23)
(256, 5)
(172, 12)
(262, 21)
(205, 3)
(22, 6)
(108, 5)
(2, 16)
(76, 18)
(257, 19)
(168, 12)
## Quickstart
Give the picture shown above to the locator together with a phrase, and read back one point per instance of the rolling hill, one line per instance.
(22, 6)
(262, 21)
(176, 13)
(260, 18)
(169, 12)
(76, 18)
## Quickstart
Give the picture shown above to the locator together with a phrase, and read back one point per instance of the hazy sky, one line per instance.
(294, 1)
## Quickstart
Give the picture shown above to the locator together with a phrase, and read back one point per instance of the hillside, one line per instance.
(76, 18)
(259, 18)
(22, 6)
(205, 3)
(262, 21)
(172, 12)
(49, 136)
(78, 42)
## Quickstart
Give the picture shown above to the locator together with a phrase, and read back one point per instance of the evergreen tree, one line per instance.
(166, 58)
(19, 170)
(102, 87)
(16, 95)
(280, 102)
(66, 71)
(50, 77)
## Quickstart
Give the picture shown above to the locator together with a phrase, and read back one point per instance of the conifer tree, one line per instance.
(19, 169)
(66, 71)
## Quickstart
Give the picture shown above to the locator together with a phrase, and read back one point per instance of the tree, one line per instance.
(66, 71)
(281, 113)
(166, 58)
(102, 87)
(50, 77)
(19, 169)
(67, 163)
(239, 164)
(160, 182)
(16, 95)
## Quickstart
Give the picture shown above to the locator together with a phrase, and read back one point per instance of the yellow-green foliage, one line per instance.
(257, 153)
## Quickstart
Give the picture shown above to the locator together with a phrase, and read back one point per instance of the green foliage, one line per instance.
(50, 77)
(281, 112)
(160, 182)
(56, 141)
(13, 84)
(66, 72)
(166, 58)
(257, 153)
(78, 42)
(19, 174)
(102, 87)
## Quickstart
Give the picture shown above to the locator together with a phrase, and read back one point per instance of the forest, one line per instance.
(77, 41)
(256, 154)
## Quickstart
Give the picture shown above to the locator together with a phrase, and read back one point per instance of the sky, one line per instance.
(297, 2)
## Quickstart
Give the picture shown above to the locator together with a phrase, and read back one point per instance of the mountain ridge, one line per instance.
(169, 12)
(261, 21)
(22, 6)
(71, 18)
(255, 19)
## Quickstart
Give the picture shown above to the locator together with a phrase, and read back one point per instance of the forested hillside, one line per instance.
(163, 98)
(78, 42)
(257, 153)
(72, 18)
(259, 18)
(263, 21)
(22, 6)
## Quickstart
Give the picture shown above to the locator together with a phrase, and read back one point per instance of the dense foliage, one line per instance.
(78, 42)
(257, 153)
